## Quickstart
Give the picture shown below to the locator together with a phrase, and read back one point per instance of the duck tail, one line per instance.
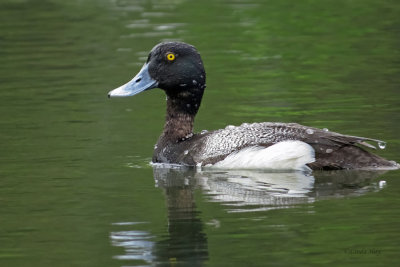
(350, 157)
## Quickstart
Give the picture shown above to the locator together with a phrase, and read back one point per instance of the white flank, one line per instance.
(286, 155)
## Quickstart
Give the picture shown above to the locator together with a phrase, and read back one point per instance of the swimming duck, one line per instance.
(177, 68)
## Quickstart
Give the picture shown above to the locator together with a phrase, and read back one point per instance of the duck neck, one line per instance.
(179, 119)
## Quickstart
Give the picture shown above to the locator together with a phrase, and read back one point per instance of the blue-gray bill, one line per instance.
(141, 82)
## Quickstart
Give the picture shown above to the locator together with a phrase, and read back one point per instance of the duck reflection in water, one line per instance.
(187, 242)
(239, 191)
(244, 190)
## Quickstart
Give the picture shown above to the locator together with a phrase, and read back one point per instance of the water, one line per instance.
(76, 187)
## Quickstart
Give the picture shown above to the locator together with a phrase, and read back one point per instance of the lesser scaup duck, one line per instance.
(177, 69)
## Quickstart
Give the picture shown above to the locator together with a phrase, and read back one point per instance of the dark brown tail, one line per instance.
(349, 157)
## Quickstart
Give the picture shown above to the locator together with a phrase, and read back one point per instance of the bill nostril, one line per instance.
(138, 80)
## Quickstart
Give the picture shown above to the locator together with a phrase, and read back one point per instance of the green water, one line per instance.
(76, 188)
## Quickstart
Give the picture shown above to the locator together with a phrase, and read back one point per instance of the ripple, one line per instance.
(154, 14)
(148, 34)
(136, 244)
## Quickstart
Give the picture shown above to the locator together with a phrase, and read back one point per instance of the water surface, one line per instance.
(76, 187)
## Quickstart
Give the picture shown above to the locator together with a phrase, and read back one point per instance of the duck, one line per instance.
(178, 70)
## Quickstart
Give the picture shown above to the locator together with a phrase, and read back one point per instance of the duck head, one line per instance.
(177, 69)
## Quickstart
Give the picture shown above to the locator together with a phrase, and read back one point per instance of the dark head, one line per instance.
(176, 68)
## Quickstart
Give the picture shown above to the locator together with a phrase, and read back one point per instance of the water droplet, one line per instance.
(155, 146)
(229, 127)
(382, 145)
(309, 131)
(203, 131)
(382, 184)
(182, 84)
(325, 130)
(188, 105)
(329, 150)
(186, 152)
(194, 82)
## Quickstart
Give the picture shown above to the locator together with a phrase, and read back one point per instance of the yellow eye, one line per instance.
(170, 57)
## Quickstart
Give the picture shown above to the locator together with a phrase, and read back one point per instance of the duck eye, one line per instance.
(170, 56)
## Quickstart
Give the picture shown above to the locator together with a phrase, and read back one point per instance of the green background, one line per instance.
(76, 187)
